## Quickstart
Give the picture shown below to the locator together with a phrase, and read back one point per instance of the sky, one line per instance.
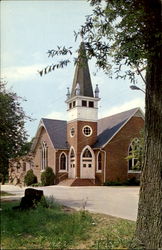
(28, 30)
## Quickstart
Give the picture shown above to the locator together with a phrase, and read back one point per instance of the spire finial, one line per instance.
(77, 89)
(68, 93)
(97, 91)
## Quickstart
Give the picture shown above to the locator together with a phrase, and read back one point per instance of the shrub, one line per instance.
(48, 177)
(30, 178)
(132, 182)
(112, 183)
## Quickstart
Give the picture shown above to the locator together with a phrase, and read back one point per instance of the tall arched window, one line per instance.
(63, 162)
(133, 152)
(99, 162)
(72, 159)
(44, 155)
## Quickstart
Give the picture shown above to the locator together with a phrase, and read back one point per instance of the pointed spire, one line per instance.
(82, 75)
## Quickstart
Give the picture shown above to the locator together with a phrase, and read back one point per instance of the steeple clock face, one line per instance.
(87, 130)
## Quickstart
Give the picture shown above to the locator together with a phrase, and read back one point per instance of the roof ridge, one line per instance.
(119, 113)
(53, 119)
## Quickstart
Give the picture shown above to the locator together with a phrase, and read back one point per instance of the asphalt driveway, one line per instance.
(116, 201)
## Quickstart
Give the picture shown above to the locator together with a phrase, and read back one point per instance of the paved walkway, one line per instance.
(116, 201)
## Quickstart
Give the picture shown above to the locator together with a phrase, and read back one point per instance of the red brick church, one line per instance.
(85, 148)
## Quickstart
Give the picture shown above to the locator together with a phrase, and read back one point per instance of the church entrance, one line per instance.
(72, 165)
(87, 164)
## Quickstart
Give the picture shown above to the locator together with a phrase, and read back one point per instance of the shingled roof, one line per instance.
(56, 130)
(82, 75)
(109, 126)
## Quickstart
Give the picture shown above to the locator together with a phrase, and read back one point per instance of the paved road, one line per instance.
(116, 201)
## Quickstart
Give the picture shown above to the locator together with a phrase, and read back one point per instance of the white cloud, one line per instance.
(138, 102)
(57, 115)
(21, 73)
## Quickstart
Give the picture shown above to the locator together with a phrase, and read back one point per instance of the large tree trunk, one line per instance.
(149, 221)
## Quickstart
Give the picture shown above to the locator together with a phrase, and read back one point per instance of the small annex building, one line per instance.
(85, 147)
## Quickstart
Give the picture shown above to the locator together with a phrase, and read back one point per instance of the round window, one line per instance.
(72, 132)
(87, 130)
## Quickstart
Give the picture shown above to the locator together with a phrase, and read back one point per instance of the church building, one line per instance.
(85, 149)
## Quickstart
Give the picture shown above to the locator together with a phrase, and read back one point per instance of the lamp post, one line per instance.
(134, 87)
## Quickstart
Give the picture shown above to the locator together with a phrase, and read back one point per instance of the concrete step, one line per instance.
(66, 182)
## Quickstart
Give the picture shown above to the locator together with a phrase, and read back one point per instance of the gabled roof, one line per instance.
(82, 75)
(56, 130)
(109, 126)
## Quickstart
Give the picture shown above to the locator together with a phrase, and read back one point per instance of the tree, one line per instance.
(13, 136)
(129, 32)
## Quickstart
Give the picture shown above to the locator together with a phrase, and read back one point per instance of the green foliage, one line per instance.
(12, 132)
(47, 177)
(30, 178)
(130, 182)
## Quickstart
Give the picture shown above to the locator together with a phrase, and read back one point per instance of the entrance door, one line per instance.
(72, 165)
(87, 164)
(87, 170)
(72, 170)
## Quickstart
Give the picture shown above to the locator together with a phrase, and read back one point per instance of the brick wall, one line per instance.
(37, 154)
(117, 150)
(79, 141)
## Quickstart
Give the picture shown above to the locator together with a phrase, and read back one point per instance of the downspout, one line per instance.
(55, 160)
(104, 164)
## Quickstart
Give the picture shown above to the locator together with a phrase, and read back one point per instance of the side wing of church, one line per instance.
(86, 149)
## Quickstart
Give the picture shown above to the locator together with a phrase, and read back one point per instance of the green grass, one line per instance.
(3, 193)
(56, 228)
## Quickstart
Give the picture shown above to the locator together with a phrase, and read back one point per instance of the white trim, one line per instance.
(37, 137)
(62, 170)
(137, 109)
(71, 133)
(75, 160)
(132, 171)
(97, 170)
(89, 128)
(87, 98)
(93, 160)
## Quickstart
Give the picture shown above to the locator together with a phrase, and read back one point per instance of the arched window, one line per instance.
(63, 162)
(44, 155)
(87, 153)
(133, 156)
(87, 158)
(72, 158)
(99, 162)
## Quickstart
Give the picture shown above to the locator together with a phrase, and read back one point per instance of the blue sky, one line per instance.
(28, 30)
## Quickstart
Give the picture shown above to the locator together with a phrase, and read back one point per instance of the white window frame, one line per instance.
(98, 170)
(44, 156)
(89, 128)
(62, 170)
(133, 160)
(71, 132)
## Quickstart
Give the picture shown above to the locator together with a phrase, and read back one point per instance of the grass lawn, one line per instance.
(57, 227)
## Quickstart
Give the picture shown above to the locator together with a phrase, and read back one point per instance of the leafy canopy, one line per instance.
(13, 136)
(118, 32)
